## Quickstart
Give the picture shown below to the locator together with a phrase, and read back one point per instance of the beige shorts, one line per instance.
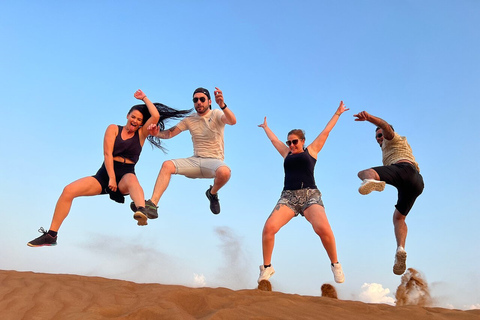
(197, 167)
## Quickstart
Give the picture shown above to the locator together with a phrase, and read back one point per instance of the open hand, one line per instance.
(264, 124)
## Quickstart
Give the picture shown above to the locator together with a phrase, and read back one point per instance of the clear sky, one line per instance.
(69, 69)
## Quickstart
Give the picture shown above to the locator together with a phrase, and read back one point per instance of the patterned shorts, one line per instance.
(300, 200)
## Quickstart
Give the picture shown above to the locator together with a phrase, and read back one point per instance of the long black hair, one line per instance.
(165, 113)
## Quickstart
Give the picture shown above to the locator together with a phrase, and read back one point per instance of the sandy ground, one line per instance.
(28, 295)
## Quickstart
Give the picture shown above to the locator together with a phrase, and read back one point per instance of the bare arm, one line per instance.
(154, 130)
(279, 145)
(154, 115)
(388, 132)
(317, 144)
(228, 117)
(108, 142)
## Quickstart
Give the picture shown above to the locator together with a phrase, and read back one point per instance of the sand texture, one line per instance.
(28, 295)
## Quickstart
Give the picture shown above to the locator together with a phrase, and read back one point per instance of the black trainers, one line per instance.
(44, 240)
(150, 209)
(214, 204)
(140, 216)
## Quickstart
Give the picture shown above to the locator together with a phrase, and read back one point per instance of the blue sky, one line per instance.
(70, 69)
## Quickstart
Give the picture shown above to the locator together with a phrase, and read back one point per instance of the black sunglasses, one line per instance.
(379, 135)
(195, 100)
(294, 141)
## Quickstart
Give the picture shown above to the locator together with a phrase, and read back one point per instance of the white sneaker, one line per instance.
(265, 273)
(338, 272)
(400, 261)
(369, 185)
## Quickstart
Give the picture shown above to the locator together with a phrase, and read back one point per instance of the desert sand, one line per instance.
(28, 295)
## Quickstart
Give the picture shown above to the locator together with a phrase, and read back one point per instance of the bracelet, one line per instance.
(338, 114)
(224, 107)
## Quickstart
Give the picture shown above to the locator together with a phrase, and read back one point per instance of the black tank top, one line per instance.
(299, 171)
(129, 149)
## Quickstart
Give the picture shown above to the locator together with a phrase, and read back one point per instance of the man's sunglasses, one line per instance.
(294, 141)
(379, 135)
(195, 100)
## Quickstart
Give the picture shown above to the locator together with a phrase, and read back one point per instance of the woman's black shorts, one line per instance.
(120, 169)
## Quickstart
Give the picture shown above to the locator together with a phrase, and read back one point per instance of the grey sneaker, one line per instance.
(214, 204)
(150, 209)
(44, 240)
(140, 216)
(400, 261)
(265, 273)
(338, 272)
(369, 185)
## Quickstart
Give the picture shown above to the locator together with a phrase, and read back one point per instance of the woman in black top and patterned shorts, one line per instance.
(300, 194)
(122, 146)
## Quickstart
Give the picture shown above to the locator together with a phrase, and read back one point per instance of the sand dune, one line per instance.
(28, 295)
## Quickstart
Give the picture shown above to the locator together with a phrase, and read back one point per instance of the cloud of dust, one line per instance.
(234, 272)
(141, 262)
(413, 290)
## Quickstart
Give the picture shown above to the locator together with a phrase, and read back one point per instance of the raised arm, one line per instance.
(388, 132)
(317, 144)
(154, 115)
(279, 145)
(228, 117)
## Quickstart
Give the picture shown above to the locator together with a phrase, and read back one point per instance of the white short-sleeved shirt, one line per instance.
(207, 133)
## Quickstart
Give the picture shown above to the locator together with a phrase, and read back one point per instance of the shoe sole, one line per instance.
(41, 245)
(371, 186)
(341, 280)
(149, 215)
(400, 263)
(141, 218)
(266, 277)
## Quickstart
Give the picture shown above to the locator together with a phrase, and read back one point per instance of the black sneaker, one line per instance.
(140, 216)
(214, 204)
(150, 209)
(44, 240)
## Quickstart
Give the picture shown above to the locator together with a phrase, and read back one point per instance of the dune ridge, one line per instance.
(29, 295)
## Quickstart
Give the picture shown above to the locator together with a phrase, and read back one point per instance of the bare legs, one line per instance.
(87, 186)
(316, 215)
(222, 175)
(129, 185)
(400, 228)
(281, 215)
(90, 186)
(163, 179)
(399, 225)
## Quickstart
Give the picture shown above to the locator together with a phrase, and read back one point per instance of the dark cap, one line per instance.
(204, 91)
